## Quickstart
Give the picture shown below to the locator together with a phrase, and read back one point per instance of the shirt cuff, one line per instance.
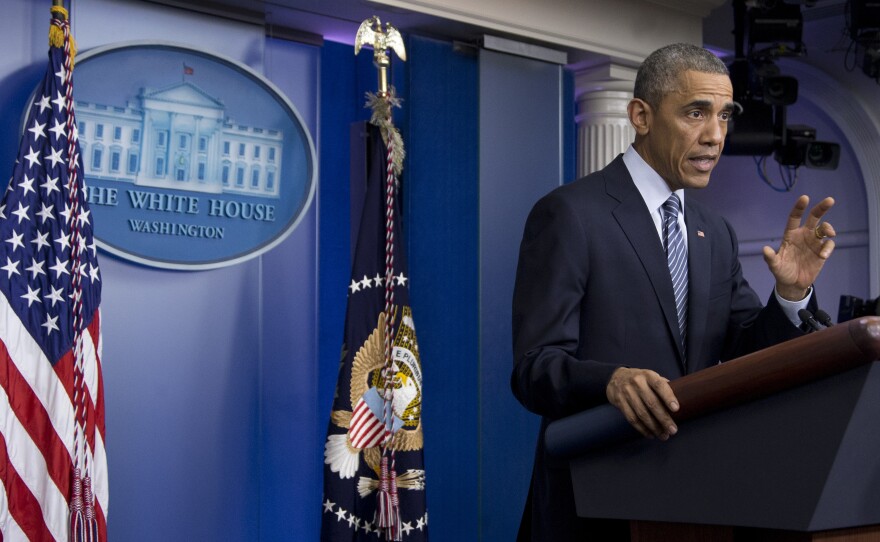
(791, 308)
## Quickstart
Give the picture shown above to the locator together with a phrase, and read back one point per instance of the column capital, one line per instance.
(607, 76)
(603, 92)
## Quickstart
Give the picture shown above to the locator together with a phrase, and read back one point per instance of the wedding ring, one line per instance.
(817, 234)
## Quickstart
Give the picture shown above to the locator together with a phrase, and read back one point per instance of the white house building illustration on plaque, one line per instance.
(178, 138)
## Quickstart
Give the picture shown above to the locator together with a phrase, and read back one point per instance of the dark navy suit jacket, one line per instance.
(593, 293)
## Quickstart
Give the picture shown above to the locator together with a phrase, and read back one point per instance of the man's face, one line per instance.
(683, 137)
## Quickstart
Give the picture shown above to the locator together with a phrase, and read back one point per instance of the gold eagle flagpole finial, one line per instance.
(370, 33)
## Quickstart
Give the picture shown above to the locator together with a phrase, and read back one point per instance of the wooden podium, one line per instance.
(783, 445)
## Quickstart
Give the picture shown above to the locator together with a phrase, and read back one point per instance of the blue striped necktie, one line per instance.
(676, 257)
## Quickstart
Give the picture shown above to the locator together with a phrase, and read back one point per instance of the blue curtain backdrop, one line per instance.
(441, 193)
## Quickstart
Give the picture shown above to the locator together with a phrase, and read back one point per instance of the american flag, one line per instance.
(51, 389)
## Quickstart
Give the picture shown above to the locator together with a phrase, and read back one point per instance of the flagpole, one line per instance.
(371, 33)
(57, 14)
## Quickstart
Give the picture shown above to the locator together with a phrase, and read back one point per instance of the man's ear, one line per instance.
(640, 114)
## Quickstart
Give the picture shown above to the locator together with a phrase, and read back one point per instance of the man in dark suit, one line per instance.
(623, 284)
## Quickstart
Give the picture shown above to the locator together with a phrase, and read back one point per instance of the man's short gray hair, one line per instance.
(658, 74)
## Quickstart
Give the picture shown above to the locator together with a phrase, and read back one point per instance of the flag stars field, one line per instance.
(377, 282)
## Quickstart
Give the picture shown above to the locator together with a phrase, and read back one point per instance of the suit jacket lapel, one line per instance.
(699, 275)
(636, 222)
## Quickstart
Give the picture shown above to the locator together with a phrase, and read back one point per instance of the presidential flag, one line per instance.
(374, 478)
(53, 468)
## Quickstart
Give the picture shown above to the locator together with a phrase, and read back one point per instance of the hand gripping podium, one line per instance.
(782, 444)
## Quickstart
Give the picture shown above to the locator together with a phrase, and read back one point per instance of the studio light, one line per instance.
(863, 22)
(864, 18)
(778, 23)
(822, 155)
(780, 90)
(800, 148)
(772, 29)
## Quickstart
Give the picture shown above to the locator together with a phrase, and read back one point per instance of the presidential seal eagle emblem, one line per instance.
(364, 425)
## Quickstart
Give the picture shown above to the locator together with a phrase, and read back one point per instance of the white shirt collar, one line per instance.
(650, 184)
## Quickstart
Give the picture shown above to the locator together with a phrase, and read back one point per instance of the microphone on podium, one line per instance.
(824, 318)
(807, 318)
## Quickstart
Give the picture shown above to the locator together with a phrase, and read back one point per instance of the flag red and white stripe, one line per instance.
(366, 429)
(37, 429)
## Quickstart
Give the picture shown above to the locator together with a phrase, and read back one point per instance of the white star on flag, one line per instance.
(38, 130)
(32, 296)
(16, 240)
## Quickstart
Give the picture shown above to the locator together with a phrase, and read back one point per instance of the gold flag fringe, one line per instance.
(56, 35)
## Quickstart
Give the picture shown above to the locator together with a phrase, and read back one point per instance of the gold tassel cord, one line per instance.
(56, 35)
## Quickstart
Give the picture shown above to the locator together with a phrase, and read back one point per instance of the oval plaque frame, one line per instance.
(191, 160)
